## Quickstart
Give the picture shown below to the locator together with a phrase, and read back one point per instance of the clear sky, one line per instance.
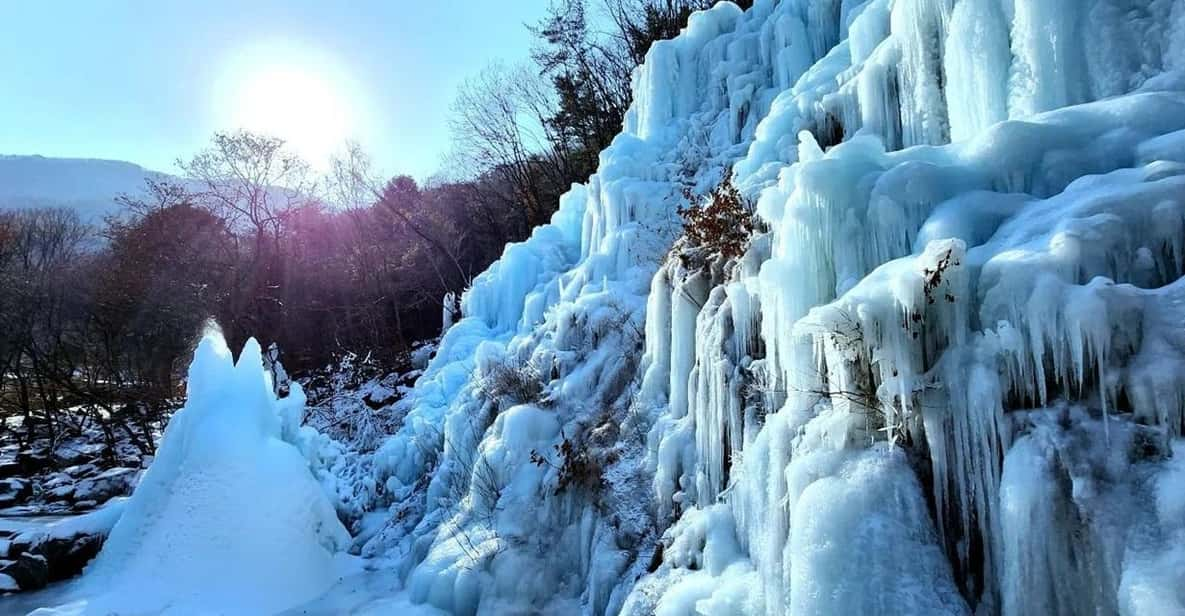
(150, 81)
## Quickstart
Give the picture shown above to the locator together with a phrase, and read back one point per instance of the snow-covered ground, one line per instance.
(73, 475)
(949, 378)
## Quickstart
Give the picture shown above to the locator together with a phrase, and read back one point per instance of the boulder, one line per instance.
(14, 491)
(58, 493)
(29, 571)
(33, 461)
(77, 452)
(80, 470)
(9, 468)
(379, 398)
(66, 557)
(59, 551)
(102, 487)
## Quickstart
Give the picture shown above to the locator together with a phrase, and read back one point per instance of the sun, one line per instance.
(296, 106)
(292, 95)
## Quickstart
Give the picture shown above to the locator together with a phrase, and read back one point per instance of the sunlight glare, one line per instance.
(294, 96)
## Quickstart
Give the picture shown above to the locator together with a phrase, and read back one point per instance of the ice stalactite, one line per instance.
(920, 296)
(1079, 507)
(674, 462)
(1045, 569)
(524, 444)
(1150, 582)
(977, 67)
(714, 377)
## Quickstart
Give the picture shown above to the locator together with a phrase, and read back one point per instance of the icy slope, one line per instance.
(949, 379)
(228, 519)
(547, 354)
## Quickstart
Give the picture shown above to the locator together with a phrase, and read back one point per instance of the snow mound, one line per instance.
(228, 519)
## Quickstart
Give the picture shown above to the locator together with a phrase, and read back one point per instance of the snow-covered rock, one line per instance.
(25, 571)
(14, 490)
(112, 482)
(59, 550)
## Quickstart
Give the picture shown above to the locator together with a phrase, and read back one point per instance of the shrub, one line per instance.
(723, 223)
(514, 384)
(575, 466)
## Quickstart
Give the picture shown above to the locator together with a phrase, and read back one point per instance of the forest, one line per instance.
(99, 320)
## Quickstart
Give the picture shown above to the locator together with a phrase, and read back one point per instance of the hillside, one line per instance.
(86, 185)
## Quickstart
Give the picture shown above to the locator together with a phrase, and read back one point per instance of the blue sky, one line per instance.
(150, 81)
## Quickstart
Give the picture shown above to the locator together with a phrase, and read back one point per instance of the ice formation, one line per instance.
(229, 518)
(948, 376)
(942, 382)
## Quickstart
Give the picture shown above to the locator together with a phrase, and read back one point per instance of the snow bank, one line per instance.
(228, 519)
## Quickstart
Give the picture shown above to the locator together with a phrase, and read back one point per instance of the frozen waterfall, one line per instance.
(941, 382)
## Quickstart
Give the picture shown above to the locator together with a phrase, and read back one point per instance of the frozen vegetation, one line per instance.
(947, 375)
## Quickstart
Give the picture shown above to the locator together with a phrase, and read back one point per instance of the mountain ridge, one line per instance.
(86, 185)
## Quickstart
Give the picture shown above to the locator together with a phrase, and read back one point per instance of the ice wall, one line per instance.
(477, 525)
(920, 295)
(965, 314)
(229, 518)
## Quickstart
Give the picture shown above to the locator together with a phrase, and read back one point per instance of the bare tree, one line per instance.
(251, 179)
(254, 183)
(351, 181)
(41, 296)
(500, 127)
(354, 177)
(158, 195)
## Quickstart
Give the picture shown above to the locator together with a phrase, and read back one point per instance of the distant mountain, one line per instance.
(89, 186)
